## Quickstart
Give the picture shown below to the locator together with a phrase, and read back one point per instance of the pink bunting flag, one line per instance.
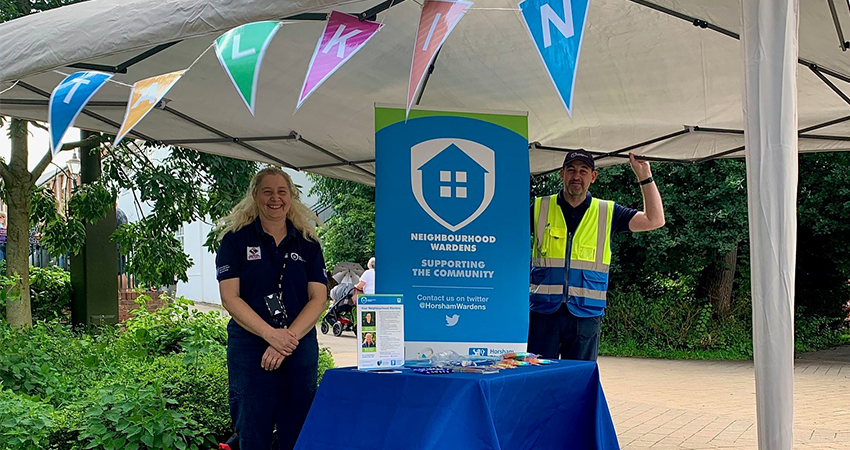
(438, 19)
(344, 36)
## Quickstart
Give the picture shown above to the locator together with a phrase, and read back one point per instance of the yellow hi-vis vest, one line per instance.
(584, 278)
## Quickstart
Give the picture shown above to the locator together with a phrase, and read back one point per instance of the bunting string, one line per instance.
(240, 52)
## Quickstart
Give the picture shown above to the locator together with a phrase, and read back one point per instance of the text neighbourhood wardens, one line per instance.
(453, 242)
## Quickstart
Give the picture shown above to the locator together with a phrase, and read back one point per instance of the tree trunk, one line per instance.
(716, 282)
(19, 187)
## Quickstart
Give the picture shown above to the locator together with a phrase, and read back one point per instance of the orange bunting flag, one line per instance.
(146, 94)
(438, 19)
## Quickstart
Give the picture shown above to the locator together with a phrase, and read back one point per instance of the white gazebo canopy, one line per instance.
(662, 78)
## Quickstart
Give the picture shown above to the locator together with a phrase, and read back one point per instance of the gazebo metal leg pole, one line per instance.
(770, 47)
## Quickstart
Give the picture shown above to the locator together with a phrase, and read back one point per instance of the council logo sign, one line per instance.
(453, 180)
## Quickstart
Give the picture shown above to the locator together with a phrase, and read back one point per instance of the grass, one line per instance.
(634, 350)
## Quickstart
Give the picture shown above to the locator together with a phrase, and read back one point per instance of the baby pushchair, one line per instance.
(341, 313)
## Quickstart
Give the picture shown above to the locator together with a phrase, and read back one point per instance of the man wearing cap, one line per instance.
(571, 233)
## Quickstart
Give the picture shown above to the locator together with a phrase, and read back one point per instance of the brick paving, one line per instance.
(663, 404)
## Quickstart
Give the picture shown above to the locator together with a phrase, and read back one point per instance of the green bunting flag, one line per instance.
(240, 52)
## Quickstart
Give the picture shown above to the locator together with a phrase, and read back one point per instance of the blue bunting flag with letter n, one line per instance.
(556, 27)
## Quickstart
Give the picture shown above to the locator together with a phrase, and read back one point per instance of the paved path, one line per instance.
(661, 404)
(665, 404)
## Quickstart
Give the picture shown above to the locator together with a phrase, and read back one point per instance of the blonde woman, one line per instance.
(272, 281)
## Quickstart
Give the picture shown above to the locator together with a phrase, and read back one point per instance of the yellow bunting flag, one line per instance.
(145, 96)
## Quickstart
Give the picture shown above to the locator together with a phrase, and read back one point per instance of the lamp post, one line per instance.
(74, 168)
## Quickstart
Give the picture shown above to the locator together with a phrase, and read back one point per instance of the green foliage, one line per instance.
(51, 362)
(326, 361)
(706, 210)
(670, 320)
(199, 388)
(160, 382)
(330, 190)
(185, 186)
(545, 184)
(671, 324)
(91, 202)
(24, 422)
(12, 9)
(350, 234)
(65, 234)
(9, 290)
(174, 328)
(42, 206)
(816, 332)
(654, 305)
(227, 179)
(63, 237)
(136, 417)
(155, 259)
(823, 262)
(50, 291)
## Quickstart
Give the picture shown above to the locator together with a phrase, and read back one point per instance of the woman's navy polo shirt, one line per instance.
(264, 268)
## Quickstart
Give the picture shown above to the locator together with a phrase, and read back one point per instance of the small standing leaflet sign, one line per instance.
(380, 332)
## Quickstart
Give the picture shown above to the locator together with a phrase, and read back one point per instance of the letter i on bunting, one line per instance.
(68, 100)
(557, 27)
(145, 95)
(438, 19)
(240, 52)
(344, 35)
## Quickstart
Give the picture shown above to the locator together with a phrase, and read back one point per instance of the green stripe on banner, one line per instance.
(514, 121)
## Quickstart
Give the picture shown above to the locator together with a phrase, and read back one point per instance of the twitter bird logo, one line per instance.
(452, 320)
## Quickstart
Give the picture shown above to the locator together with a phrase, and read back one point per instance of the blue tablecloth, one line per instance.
(560, 406)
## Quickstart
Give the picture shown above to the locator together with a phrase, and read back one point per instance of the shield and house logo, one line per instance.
(453, 180)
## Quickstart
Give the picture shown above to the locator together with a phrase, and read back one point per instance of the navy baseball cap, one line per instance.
(579, 155)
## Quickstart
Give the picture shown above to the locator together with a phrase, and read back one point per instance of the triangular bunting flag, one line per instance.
(68, 100)
(145, 95)
(556, 27)
(240, 52)
(437, 21)
(344, 36)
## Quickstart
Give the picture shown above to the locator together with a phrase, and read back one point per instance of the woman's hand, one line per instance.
(282, 339)
(272, 359)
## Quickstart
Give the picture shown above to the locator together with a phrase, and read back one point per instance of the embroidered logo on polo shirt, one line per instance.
(253, 253)
(296, 257)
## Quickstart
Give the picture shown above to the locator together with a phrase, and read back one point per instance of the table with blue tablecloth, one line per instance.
(559, 406)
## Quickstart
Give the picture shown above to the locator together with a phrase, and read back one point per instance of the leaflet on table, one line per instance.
(380, 332)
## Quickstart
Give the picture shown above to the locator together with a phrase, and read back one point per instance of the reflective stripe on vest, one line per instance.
(548, 289)
(590, 256)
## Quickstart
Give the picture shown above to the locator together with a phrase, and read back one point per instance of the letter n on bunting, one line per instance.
(557, 27)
